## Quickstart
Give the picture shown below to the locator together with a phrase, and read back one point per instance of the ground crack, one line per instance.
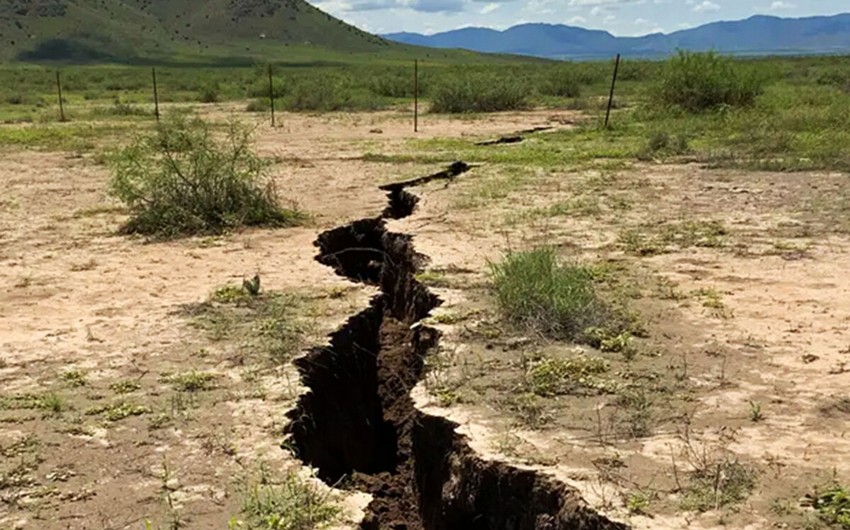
(358, 426)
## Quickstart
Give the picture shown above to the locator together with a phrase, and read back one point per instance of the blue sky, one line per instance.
(620, 17)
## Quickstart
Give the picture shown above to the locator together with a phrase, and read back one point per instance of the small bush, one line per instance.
(662, 143)
(327, 94)
(536, 292)
(697, 82)
(209, 94)
(396, 86)
(181, 180)
(479, 94)
(260, 88)
(562, 83)
(258, 105)
(121, 108)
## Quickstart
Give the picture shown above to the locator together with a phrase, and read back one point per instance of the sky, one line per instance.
(620, 17)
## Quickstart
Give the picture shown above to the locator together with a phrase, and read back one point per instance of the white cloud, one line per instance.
(706, 6)
(779, 5)
(489, 8)
(576, 21)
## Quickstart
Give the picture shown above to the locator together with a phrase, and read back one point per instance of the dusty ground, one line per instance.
(753, 315)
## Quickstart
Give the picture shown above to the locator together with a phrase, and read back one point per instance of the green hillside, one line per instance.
(140, 30)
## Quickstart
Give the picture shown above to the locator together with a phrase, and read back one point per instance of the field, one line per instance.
(637, 326)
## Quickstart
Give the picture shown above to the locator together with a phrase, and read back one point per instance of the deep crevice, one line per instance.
(358, 425)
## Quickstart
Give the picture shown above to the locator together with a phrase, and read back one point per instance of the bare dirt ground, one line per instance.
(737, 277)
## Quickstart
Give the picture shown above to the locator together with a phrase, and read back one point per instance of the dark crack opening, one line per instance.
(358, 426)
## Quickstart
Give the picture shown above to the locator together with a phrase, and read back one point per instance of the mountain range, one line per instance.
(124, 30)
(757, 35)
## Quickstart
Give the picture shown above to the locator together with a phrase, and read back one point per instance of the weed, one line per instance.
(638, 503)
(717, 485)
(294, 504)
(529, 409)
(181, 180)
(756, 414)
(193, 381)
(231, 294)
(125, 386)
(551, 377)
(118, 411)
(74, 378)
(608, 341)
(432, 278)
(833, 505)
(639, 412)
(52, 404)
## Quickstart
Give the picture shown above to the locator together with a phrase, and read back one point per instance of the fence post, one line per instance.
(416, 95)
(271, 92)
(61, 104)
(155, 96)
(611, 96)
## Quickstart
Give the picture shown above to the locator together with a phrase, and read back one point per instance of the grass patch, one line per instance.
(267, 323)
(125, 386)
(293, 504)
(181, 180)
(548, 377)
(193, 381)
(718, 485)
(74, 378)
(119, 410)
(536, 293)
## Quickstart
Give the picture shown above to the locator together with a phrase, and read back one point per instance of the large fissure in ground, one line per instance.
(357, 424)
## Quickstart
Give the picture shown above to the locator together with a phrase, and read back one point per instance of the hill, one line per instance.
(758, 35)
(133, 30)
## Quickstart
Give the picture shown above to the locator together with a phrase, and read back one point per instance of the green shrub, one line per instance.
(663, 143)
(479, 94)
(122, 108)
(534, 291)
(563, 83)
(209, 94)
(258, 105)
(397, 85)
(326, 94)
(697, 82)
(260, 88)
(182, 180)
(833, 506)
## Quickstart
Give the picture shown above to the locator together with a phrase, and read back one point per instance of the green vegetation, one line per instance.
(119, 410)
(552, 377)
(266, 324)
(535, 292)
(833, 506)
(294, 504)
(193, 381)
(697, 82)
(479, 94)
(718, 484)
(181, 180)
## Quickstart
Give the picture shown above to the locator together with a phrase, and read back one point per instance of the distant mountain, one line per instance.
(103, 30)
(757, 35)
